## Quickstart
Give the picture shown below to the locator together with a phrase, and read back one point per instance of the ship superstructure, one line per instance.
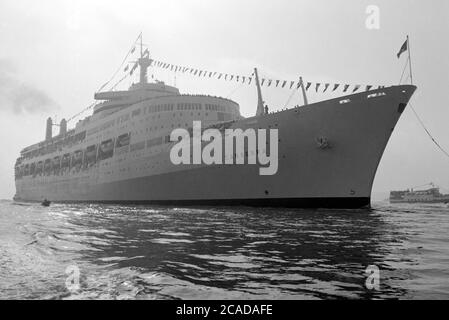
(328, 151)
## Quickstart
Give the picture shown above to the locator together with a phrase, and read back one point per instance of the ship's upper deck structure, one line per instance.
(159, 96)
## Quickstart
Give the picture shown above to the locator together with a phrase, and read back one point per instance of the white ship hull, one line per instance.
(340, 175)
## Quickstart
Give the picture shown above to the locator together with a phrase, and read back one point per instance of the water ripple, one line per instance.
(141, 252)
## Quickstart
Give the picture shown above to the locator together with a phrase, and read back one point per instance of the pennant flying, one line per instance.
(266, 82)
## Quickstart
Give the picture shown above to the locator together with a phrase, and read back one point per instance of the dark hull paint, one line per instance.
(337, 203)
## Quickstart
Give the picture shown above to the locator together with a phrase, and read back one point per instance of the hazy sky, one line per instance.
(55, 54)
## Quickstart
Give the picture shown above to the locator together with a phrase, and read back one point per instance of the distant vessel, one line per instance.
(328, 151)
(431, 195)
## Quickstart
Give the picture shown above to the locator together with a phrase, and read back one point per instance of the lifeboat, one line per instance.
(65, 162)
(56, 165)
(47, 167)
(123, 140)
(90, 155)
(39, 168)
(77, 160)
(106, 149)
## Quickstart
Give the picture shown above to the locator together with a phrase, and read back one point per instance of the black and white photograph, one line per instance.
(224, 155)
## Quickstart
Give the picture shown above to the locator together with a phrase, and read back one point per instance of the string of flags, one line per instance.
(283, 84)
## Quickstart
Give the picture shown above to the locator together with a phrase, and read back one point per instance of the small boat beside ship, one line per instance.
(430, 195)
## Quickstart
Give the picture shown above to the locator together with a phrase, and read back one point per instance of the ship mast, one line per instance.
(304, 95)
(260, 109)
(144, 62)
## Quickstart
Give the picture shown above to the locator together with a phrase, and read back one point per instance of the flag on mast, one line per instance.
(403, 48)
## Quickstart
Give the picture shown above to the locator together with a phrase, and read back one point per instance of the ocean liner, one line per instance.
(328, 152)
